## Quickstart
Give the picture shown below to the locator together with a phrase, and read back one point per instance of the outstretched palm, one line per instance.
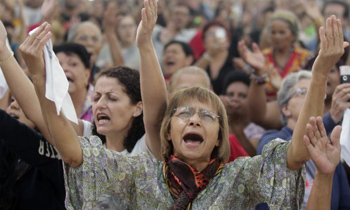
(149, 19)
(254, 58)
(324, 152)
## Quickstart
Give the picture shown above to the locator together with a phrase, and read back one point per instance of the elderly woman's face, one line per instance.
(89, 36)
(297, 99)
(194, 131)
(127, 30)
(188, 80)
(281, 35)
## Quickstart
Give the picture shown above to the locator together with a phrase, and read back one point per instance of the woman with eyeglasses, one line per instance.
(194, 141)
(291, 98)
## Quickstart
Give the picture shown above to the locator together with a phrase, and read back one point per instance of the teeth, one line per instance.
(103, 121)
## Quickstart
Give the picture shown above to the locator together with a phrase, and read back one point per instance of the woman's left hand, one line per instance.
(324, 152)
(149, 19)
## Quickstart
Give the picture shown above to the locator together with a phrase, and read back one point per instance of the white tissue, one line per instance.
(57, 84)
(345, 137)
(3, 84)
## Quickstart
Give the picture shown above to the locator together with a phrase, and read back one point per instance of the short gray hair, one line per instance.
(72, 33)
(194, 70)
(286, 90)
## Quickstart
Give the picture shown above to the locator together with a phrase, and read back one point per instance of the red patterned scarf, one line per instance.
(185, 182)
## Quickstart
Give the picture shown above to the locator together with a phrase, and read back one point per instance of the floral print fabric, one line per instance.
(109, 180)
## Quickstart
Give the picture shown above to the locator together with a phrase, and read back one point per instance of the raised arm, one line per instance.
(153, 89)
(261, 112)
(60, 129)
(332, 48)
(110, 20)
(325, 154)
(21, 87)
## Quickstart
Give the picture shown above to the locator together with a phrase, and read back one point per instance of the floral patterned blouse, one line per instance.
(109, 180)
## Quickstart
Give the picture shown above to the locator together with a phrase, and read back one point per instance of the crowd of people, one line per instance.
(203, 104)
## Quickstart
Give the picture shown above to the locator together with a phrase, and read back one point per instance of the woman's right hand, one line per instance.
(253, 58)
(32, 49)
(331, 47)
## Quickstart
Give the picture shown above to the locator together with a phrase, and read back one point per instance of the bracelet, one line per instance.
(4, 61)
(259, 80)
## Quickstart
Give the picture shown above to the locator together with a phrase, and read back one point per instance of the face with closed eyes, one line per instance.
(112, 108)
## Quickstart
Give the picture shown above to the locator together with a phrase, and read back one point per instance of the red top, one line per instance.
(236, 148)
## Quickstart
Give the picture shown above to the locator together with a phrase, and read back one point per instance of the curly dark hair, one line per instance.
(11, 172)
(130, 80)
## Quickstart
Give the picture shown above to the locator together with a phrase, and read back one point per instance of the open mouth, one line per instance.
(170, 63)
(102, 118)
(70, 79)
(14, 116)
(193, 139)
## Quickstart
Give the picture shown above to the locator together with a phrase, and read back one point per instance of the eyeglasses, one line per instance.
(299, 92)
(186, 112)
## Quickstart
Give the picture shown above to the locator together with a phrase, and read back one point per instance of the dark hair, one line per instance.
(236, 76)
(11, 172)
(339, 2)
(130, 80)
(191, 11)
(218, 24)
(75, 48)
(185, 47)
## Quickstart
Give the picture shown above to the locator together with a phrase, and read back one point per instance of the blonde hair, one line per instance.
(204, 96)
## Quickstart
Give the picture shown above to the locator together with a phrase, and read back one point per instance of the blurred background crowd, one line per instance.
(255, 54)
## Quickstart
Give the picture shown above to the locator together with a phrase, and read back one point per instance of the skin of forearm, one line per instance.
(67, 142)
(154, 99)
(321, 193)
(23, 90)
(115, 51)
(202, 63)
(313, 106)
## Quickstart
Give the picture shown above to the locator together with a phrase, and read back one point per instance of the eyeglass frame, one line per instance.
(200, 114)
(301, 91)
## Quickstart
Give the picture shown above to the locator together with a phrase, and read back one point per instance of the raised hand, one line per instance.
(111, 18)
(275, 78)
(149, 19)
(254, 58)
(48, 9)
(32, 49)
(324, 152)
(3, 36)
(332, 46)
(340, 101)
